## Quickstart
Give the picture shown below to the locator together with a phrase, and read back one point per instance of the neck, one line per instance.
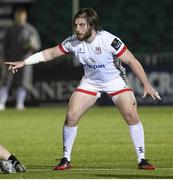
(92, 37)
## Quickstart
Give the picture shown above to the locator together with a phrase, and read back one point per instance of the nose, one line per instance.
(78, 28)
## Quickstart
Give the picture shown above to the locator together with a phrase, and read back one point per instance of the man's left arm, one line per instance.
(128, 58)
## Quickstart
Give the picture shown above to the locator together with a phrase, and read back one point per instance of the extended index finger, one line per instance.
(9, 63)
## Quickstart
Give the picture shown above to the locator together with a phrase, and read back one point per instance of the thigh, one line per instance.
(80, 102)
(84, 96)
(127, 105)
(18, 78)
(7, 78)
(27, 76)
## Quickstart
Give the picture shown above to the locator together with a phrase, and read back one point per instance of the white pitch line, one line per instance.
(95, 169)
(104, 169)
(112, 169)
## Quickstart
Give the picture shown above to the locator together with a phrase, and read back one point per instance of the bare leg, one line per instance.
(4, 153)
(3, 97)
(9, 163)
(127, 106)
(21, 96)
(79, 103)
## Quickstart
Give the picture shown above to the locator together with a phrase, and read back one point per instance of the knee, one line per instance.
(131, 117)
(71, 118)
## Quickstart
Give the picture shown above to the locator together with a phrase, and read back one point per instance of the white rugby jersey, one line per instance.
(97, 57)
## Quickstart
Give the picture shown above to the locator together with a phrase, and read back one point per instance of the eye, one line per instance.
(82, 25)
(74, 26)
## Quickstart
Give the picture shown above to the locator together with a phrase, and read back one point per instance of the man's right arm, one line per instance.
(52, 53)
(42, 56)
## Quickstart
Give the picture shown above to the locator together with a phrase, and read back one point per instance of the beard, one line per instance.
(84, 37)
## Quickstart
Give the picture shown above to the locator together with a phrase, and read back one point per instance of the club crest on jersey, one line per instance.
(98, 50)
(116, 43)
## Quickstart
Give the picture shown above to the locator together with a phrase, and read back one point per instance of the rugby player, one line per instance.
(101, 54)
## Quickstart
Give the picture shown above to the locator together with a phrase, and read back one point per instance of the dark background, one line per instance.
(146, 27)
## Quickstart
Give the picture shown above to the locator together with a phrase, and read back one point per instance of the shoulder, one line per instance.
(30, 27)
(109, 38)
(106, 34)
(71, 40)
(111, 42)
(106, 37)
(10, 27)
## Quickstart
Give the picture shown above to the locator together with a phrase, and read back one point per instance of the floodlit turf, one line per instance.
(103, 147)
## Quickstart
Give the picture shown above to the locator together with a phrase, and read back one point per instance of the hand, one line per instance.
(14, 66)
(149, 90)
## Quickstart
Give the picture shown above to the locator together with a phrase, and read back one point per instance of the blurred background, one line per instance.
(146, 27)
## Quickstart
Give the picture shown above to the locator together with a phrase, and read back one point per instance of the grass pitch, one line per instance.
(103, 148)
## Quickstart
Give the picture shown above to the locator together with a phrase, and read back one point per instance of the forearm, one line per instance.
(35, 58)
(50, 54)
(138, 70)
(43, 56)
(128, 58)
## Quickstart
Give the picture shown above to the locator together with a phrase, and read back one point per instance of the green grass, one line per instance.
(103, 147)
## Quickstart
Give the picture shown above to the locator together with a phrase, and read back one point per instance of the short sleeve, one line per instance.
(114, 44)
(117, 47)
(66, 46)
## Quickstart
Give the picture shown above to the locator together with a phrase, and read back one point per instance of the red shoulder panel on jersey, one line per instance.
(122, 51)
(62, 49)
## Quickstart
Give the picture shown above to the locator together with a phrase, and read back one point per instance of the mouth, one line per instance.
(79, 36)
